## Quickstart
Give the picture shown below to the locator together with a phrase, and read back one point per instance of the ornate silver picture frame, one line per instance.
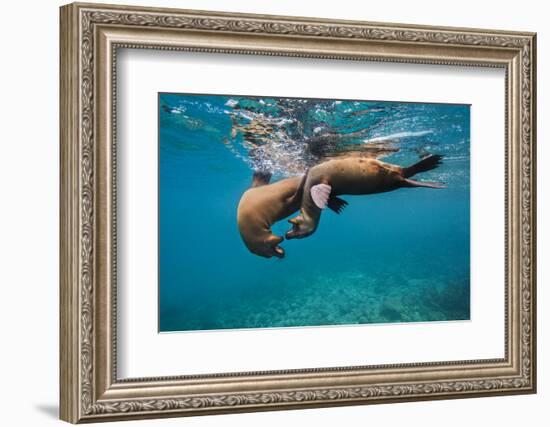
(91, 390)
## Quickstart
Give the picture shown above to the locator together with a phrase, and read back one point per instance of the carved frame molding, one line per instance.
(90, 37)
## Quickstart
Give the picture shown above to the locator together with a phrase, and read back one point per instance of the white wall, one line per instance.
(29, 212)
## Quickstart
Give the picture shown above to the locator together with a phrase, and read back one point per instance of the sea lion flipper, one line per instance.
(412, 183)
(336, 204)
(320, 194)
(428, 163)
(260, 178)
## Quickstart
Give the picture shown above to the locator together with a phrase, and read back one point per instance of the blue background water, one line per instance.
(399, 256)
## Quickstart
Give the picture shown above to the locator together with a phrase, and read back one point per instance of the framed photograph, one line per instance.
(267, 212)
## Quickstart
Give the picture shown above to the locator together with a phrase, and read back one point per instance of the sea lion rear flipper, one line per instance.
(413, 183)
(260, 178)
(336, 204)
(320, 194)
(426, 164)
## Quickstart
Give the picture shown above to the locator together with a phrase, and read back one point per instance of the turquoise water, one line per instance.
(401, 256)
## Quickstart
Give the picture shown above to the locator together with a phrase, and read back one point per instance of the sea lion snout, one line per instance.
(279, 252)
(271, 248)
(300, 228)
(267, 248)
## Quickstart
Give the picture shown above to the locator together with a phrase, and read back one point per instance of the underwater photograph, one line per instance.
(300, 212)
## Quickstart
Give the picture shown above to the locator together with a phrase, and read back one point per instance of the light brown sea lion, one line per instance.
(352, 175)
(264, 204)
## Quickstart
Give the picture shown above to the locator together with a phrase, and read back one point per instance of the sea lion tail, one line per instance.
(427, 163)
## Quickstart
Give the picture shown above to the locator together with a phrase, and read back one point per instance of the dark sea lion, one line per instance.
(356, 176)
(264, 204)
